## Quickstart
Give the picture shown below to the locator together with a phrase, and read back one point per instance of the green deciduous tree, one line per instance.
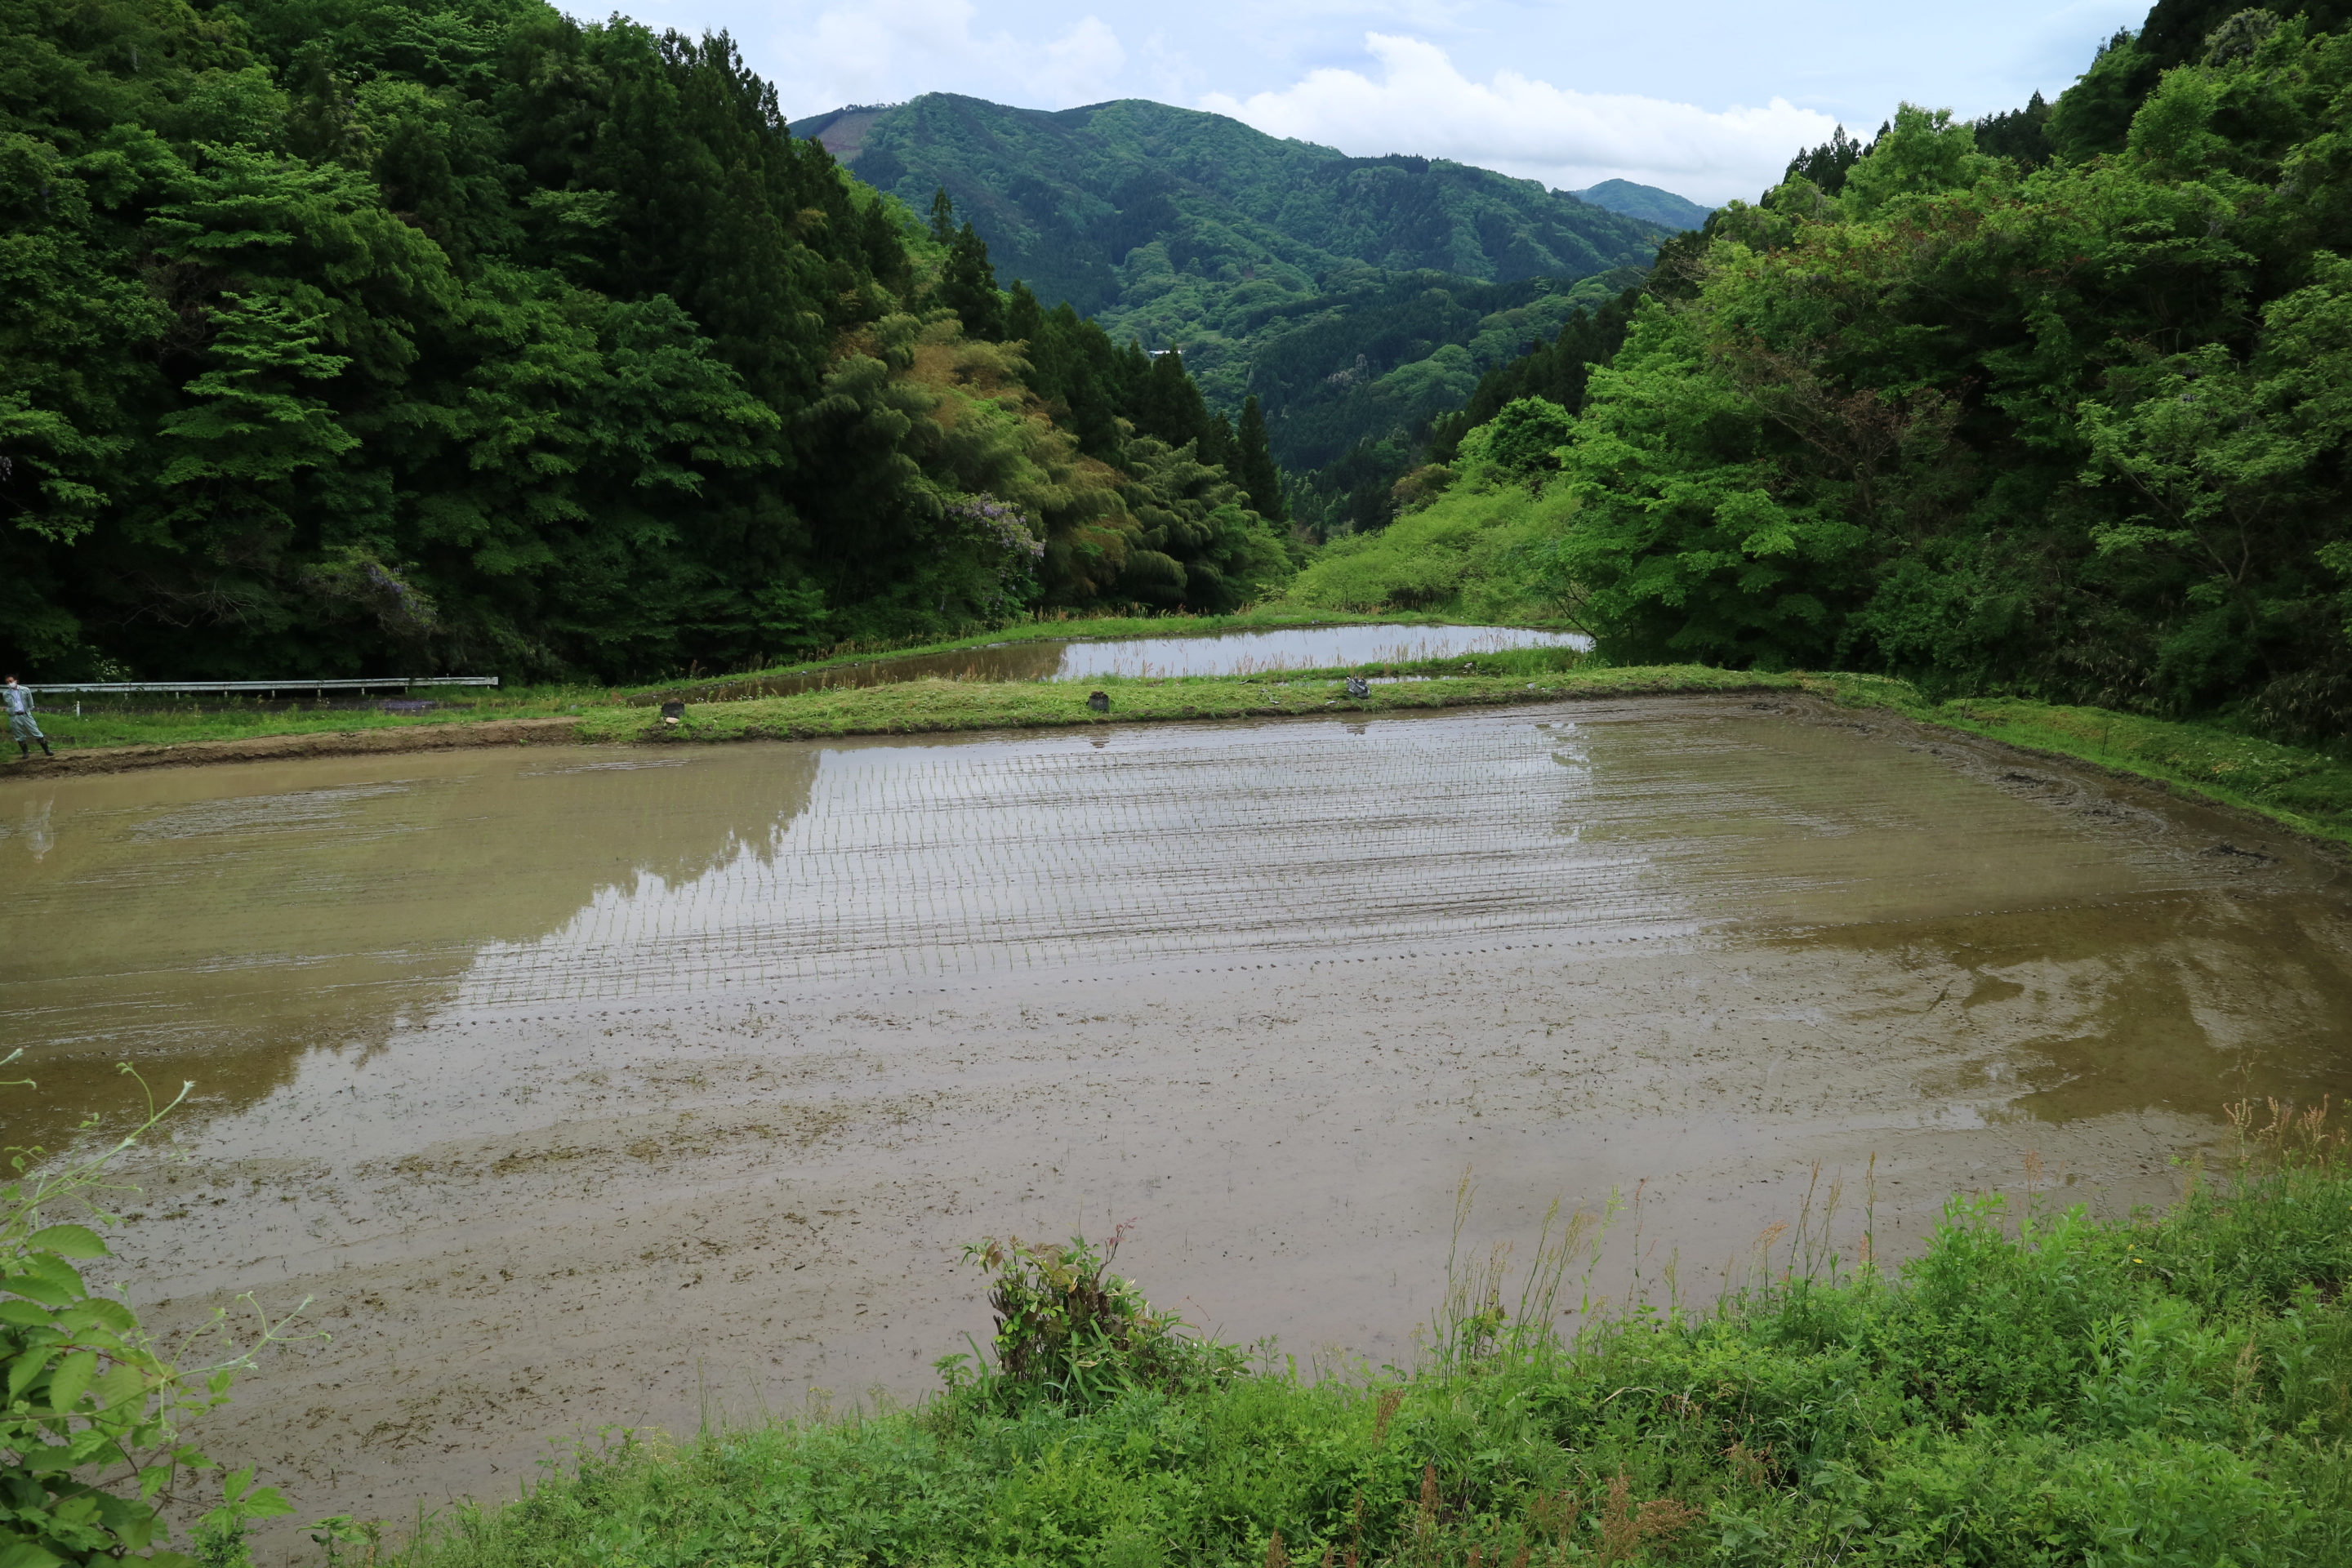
(2074, 429)
(336, 336)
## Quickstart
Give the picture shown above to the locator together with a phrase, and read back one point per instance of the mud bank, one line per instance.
(439, 737)
(617, 1085)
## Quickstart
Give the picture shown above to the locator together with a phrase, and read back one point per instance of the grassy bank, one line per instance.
(145, 720)
(2038, 1388)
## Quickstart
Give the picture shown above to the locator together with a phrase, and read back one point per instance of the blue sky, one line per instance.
(1707, 98)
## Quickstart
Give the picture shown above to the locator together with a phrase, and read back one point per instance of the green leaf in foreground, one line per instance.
(90, 1447)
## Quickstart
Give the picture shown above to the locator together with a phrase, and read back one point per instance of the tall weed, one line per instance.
(1071, 1333)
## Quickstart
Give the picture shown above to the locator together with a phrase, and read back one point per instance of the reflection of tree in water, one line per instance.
(2179, 1003)
(216, 925)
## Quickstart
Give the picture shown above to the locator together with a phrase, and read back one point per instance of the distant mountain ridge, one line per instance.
(1065, 197)
(1645, 202)
(1189, 229)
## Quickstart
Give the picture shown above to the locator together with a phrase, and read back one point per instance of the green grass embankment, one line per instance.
(2307, 792)
(919, 706)
(2038, 1389)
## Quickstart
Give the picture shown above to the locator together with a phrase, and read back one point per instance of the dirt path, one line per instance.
(284, 747)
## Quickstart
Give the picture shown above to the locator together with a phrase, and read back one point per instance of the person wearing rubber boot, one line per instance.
(21, 726)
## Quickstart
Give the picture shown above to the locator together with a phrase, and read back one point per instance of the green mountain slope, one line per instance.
(1281, 268)
(1647, 203)
(1380, 352)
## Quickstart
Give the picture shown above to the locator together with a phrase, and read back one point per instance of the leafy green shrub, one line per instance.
(89, 1440)
(1472, 550)
(1522, 441)
(1070, 1332)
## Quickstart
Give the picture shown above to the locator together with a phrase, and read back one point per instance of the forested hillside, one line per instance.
(1392, 353)
(2066, 419)
(342, 335)
(1351, 296)
(1363, 487)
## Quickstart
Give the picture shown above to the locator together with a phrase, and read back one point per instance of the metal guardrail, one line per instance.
(271, 687)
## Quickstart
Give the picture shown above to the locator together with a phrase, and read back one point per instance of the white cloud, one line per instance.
(891, 50)
(1081, 67)
(1567, 138)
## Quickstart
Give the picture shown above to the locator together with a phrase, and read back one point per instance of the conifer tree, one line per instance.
(2019, 133)
(1254, 467)
(1828, 165)
(1168, 405)
(1217, 442)
(967, 281)
(968, 286)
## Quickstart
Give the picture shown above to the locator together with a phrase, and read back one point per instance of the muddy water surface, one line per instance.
(578, 1086)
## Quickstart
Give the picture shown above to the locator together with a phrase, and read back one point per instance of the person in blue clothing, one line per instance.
(21, 727)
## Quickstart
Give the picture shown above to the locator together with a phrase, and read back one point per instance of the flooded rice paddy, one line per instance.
(1222, 653)
(577, 1086)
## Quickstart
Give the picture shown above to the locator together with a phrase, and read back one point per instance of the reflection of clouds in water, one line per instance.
(1174, 846)
(31, 828)
(1569, 748)
(993, 856)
